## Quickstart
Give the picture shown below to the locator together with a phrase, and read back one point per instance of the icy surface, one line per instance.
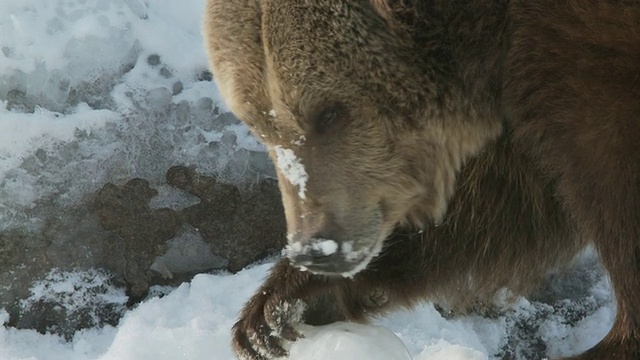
(292, 169)
(111, 90)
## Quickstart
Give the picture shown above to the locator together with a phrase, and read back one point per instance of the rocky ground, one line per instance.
(141, 236)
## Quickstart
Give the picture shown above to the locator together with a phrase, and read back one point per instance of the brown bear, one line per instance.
(436, 150)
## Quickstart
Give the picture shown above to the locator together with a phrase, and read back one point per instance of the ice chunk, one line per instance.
(172, 198)
(188, 252)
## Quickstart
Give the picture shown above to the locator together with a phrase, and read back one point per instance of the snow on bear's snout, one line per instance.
(291, 168)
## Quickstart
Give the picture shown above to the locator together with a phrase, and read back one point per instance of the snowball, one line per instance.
(348, 341)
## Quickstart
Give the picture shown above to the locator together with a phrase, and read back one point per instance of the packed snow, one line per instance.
(98, 90)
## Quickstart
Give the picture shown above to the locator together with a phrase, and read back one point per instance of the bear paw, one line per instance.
(265, 323)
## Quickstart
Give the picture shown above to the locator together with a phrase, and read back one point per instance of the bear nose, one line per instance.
(324, 256)
(333, 264)
(314, 259)
(318, 253)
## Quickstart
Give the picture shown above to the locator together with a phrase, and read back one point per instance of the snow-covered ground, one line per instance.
(98, 90)
(194, 321)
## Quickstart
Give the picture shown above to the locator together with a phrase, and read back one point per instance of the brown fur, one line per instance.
(513, 125)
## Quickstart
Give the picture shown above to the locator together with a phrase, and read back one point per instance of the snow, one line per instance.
(326, 247)
(348, 341)
(82, 82)
(74, 290)
(194, 320)
(351, 255)
(321, 246)
(111, 89)
(291, 168)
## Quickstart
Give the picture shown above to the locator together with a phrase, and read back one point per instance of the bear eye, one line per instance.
(329, 118)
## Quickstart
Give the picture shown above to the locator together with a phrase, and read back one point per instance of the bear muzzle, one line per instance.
(324, 256)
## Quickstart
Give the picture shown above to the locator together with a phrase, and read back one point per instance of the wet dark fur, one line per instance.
(562, 78)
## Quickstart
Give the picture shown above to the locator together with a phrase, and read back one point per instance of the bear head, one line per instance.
(363, 134)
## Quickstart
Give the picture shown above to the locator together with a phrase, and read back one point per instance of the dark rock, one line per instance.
(136, 241)
(240, 228)
(126, 211)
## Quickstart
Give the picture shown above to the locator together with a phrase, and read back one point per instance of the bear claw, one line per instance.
(265, 324)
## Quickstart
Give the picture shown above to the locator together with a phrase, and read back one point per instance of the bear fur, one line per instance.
(436, 150)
